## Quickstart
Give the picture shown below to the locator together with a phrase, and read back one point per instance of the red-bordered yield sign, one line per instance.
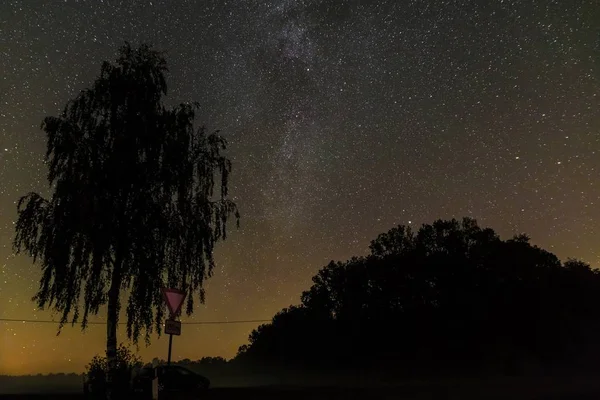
(174, 299)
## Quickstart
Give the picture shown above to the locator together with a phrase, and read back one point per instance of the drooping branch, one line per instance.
(133, 188)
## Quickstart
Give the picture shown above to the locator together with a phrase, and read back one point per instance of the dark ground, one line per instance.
(587, 389)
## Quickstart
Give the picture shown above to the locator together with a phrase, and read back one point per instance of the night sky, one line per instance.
(344, 118)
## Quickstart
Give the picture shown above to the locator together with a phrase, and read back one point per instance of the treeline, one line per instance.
(50, 375)
(186, 362)
(450, 298)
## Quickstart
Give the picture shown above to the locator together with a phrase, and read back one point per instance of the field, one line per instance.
(538, 389)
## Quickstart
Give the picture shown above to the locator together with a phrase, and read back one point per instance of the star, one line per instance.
(342, 119)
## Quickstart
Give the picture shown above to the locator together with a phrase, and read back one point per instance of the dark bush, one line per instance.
(96, 373)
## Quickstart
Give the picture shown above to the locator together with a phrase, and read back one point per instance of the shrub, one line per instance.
(97, 368)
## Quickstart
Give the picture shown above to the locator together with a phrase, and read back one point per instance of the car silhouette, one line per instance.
(174, 381)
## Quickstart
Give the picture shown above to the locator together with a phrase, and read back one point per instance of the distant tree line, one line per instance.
(451, 297)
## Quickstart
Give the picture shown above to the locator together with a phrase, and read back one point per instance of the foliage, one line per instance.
(448, 297)
(134, 204)
(126, 362)
(212, 361)
(204, 361)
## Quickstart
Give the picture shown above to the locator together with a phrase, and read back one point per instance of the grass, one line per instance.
(513, 388)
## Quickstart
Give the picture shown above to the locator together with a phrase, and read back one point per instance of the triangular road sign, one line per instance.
(174, 299)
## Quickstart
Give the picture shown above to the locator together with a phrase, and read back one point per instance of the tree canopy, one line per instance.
(139, 199)
(451, 296)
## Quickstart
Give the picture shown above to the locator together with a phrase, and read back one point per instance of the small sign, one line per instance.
(172, 327)
(174, 299)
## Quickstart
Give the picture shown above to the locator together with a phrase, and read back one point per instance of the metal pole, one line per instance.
(170, 344)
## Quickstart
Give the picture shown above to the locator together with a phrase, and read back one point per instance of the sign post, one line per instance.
(170, 345)
(155, 380)
(174, 299)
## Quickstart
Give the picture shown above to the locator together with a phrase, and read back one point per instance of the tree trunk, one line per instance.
(111, 334)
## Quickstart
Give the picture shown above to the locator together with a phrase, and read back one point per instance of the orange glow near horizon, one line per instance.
(343, 120)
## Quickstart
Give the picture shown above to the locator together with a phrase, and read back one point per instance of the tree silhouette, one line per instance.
(134, 205)
(449, 298)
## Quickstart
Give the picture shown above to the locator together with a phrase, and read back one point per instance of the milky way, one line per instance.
(344, 119)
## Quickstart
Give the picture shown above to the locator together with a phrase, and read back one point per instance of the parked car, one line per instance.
(174, 381)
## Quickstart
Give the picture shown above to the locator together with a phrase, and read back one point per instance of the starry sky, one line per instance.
(344, 118)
